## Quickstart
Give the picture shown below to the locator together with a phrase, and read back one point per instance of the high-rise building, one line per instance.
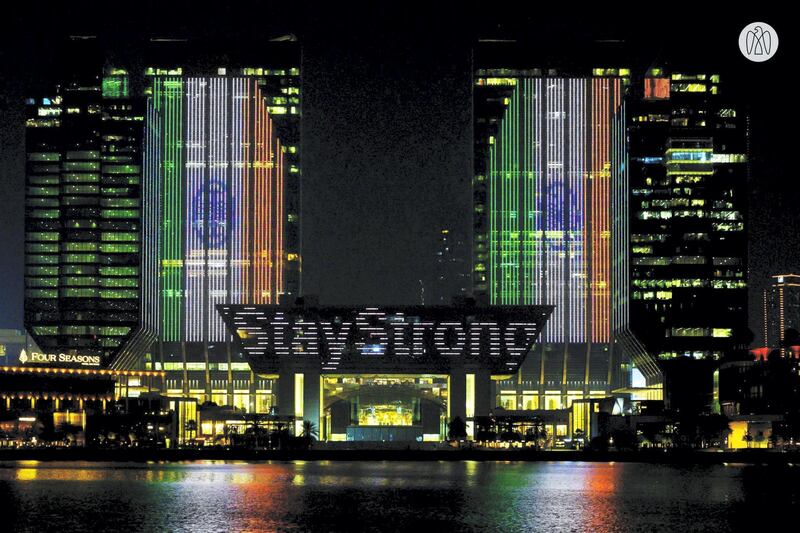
(550, 224)
(451, 268)
(82, 230)
(781, 303)
(220, 222)
(688, 174)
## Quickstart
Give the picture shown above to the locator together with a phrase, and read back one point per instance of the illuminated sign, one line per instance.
(359, 339)
(67, 359)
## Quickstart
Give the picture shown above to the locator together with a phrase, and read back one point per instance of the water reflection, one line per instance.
(469, 495)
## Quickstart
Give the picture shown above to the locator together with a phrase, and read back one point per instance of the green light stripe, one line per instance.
(169, 102)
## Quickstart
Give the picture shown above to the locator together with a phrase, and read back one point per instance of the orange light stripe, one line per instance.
(600, 209)
(263, 206)
(254, 230)
(281, 171)
(267, 293)
(257, 202)
(270, 208)
(603, 294)
(270, 155)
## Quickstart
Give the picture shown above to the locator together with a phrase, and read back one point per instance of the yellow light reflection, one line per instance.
(27, 474)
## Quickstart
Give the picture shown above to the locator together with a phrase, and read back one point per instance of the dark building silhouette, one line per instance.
(688, 185)
(759, 387)
(451, 268)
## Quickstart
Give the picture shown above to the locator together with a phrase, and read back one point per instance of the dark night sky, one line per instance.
(386, 131)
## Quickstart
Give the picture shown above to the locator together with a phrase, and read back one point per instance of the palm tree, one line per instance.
(255, 429)
(309, 430)
(309, 434)
(457, 429)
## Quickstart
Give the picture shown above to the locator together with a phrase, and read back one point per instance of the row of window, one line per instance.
(82, 270)
(82, 293)
(85, 281)
(105, 248)
(82, 330)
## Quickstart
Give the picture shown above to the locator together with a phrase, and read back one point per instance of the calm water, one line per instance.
(337, 496)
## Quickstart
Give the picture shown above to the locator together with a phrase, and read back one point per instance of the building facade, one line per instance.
(551, 225)
(82, 211)
(221, 221)
(781, 302)
(688, 172)
(384, 374)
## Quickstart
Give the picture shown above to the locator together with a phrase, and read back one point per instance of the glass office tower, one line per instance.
(82, 202)
(221, 226)
(551, 224)
(689, 176)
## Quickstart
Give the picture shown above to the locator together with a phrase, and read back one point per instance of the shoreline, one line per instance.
(765, 457)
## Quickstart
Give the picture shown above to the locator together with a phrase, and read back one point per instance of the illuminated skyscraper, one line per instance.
(221, 226)
(781, 303)
(82, 231)
(550, 192)
(688, 173)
